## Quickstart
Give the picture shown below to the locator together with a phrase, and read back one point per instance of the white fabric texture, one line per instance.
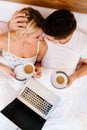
(9, 88)
(66, 57)
(82, 22)
(71, 111)
(3, 27)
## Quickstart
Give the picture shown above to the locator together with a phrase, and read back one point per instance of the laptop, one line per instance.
(32, 107)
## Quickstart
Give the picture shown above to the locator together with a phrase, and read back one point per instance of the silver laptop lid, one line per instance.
(38, 98)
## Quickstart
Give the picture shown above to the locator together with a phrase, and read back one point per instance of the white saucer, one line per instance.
(54, 77)
(19, 73)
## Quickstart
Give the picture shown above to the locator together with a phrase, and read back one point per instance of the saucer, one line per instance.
(19, 73)
(59, 79)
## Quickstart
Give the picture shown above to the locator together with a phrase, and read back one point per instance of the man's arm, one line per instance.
(17, 22)
(82, 71)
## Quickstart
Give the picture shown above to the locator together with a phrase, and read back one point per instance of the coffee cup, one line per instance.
(28, 70)
(24, 71)
(59, 79)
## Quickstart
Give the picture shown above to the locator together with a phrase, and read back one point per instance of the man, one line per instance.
(66, 48)
(66, 45)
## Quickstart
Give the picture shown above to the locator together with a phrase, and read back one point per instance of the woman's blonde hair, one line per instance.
(35, 21)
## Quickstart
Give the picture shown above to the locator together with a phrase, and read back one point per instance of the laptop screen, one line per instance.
(23, 116)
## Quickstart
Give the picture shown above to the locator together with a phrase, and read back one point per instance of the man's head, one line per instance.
(60, 24)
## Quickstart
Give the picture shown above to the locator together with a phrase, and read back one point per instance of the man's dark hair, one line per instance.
(60, 24)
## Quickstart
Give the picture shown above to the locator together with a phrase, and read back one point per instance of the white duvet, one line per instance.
(71, 111)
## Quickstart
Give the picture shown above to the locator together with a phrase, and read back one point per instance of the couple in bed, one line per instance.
(66, 45)
(62, 39)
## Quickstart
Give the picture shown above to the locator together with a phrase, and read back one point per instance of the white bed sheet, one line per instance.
(71, 112)
(9, 88)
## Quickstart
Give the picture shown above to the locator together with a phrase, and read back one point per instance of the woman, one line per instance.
(26, 43)
(20, 47)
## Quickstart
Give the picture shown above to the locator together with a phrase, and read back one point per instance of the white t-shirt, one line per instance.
(65, 57)
(3, 27)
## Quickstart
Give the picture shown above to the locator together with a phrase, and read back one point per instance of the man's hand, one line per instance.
(71, 80)
(18, 21)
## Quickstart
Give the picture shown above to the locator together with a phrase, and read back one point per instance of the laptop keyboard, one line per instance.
(38, 102)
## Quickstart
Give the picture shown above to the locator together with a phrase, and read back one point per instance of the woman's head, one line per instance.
(35, 21)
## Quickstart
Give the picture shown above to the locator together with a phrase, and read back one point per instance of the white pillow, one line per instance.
(3, 27)
(82, 23)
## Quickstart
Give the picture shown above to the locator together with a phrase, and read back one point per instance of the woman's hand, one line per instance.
(38, 72)
(8, 70)
(18, 21)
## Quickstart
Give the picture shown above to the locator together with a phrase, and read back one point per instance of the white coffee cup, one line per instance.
(25, 71)
(59, 79)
